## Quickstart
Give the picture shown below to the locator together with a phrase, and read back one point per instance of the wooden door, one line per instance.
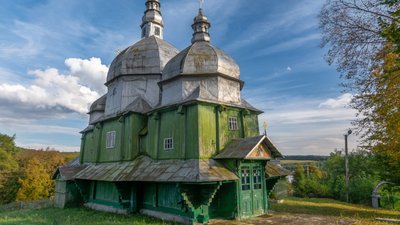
(251, 189)
(257, 189)
(246, 193)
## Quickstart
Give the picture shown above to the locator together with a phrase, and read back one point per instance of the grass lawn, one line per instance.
(328, 207)
(295, 208)
(73, 216)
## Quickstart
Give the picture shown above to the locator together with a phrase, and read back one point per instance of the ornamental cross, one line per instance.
(201, 4)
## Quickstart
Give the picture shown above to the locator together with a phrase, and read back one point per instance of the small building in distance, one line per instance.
(172, 138)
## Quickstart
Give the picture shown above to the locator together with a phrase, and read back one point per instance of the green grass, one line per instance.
(77, 216)
(73, 216)
(329, 207)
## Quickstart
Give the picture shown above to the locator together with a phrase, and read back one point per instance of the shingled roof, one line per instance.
(144, 168)
(276, 170)
(68, 171)
(259, 147)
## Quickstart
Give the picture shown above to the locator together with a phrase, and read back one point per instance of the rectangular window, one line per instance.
(157, 31)
(245, 178)
(168, 143)
(110, 139)
(257, 177)
(233, 123)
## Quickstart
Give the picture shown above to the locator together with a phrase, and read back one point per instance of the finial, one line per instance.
(201, 4)
(152, 22)
(200, 26)
(265, 128)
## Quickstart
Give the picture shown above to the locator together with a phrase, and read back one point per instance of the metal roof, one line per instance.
(201, 58)
(148, 56)
(276, 170)
(144, 168)
(242, 148)
(99, 104)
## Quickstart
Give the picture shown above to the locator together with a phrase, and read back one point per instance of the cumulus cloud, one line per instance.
(92, 72)
(51, 90)
(307, 125)
(339, 102)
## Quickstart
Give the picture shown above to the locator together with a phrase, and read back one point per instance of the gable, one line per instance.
(259, 147)
(259, 152)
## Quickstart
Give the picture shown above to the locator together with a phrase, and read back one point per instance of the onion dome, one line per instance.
(149, 55)
(201, 57)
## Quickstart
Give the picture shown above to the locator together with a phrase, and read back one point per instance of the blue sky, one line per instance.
(54, 56)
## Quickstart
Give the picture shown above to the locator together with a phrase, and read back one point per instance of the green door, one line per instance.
(251, 189)
(246, 193)
(257, 189)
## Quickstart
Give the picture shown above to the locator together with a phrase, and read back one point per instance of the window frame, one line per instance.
(233, 123)
(168, 144)
(110, 139)
(245, 178)
(257, 178)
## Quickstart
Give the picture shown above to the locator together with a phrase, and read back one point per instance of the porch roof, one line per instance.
(145, 169)
(68, 171)
(276, 170)
(247, 148)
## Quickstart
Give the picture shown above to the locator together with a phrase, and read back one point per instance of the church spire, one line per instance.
(200, 26)
(152, 22)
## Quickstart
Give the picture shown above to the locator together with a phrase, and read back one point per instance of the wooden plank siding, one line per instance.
(198, 130)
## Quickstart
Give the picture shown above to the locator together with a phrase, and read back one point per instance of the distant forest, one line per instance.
(306, 157)
(25, 174)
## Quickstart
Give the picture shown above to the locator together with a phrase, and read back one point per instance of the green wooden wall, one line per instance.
(127, 128)
(198, 130)
(163, 197)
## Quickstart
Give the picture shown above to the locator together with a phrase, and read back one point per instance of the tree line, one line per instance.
(26, 174)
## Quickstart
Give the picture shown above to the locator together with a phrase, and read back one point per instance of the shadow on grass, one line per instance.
(328, 207)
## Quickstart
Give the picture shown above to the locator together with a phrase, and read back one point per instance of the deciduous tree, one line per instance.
(363, 37)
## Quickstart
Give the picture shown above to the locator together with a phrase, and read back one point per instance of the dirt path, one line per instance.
(286, 218)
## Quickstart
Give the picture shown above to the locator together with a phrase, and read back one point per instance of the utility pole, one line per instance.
(346, 163)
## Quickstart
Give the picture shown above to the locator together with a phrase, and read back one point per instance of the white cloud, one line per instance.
(25, 43)
(50, 89)
(39, 146)
(300, 126)
(289, 68)
(339, 102)
(92, 73)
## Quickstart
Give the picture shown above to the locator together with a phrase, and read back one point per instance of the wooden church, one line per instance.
(172, 138)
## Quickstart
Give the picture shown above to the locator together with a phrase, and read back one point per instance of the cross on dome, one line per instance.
(201, 4)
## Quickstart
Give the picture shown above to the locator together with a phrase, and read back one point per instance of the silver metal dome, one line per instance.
(148, 56)
(201, 58)
(99, 104)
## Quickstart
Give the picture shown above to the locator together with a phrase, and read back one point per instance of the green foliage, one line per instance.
(36, 183)
(307, 182)
(329, 181)
(364, 40)
(281, 190)
(7, 153)
(8, 168)
(26, 174)
(390, 29)
(9, 189)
